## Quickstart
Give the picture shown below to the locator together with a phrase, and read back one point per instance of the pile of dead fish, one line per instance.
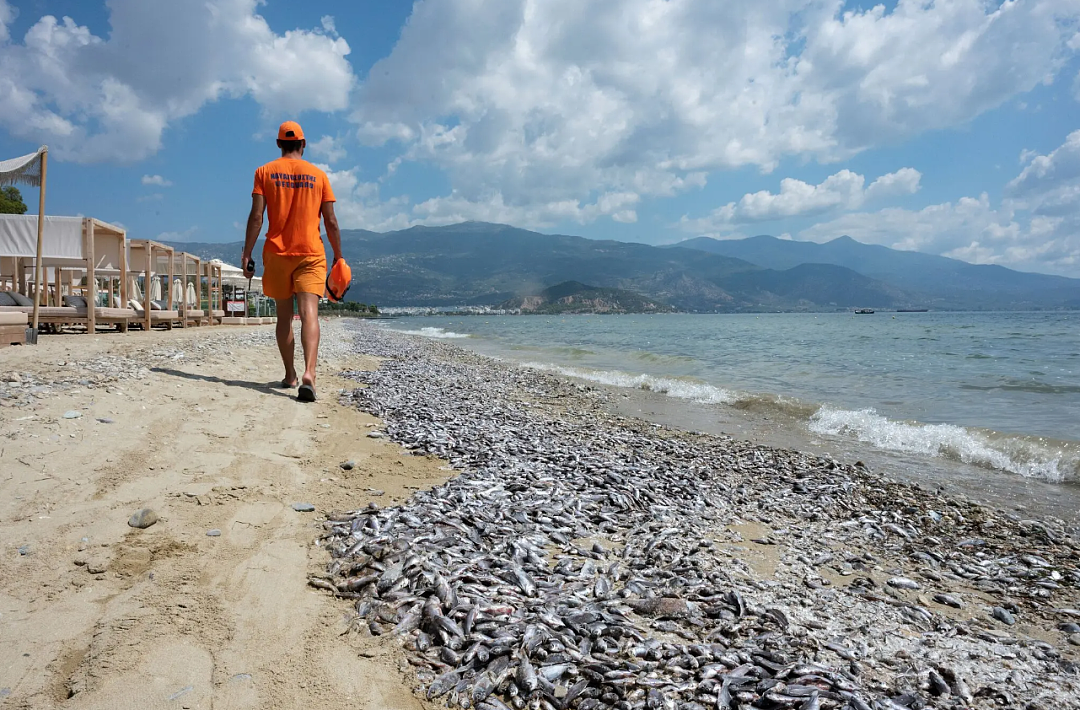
(577, 561)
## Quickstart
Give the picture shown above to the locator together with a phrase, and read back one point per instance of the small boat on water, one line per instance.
(863, 311)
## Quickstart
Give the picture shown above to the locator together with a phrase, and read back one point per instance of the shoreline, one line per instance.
(991, 465)
(888, 587)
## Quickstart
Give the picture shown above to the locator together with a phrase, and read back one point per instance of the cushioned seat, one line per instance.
(12, 318)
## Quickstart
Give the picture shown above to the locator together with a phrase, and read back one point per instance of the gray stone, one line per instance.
(105, 420)
(213, 533)
(72, 414)
(348, 465)
(94, 566)
(1074, 639)
(143, 518)
(1003, 615)
(24, 550)
(376, 435)
(303, 507)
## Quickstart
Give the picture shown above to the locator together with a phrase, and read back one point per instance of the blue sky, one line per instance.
(950, 127)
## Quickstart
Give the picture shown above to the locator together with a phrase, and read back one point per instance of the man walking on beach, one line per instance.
(295, 194)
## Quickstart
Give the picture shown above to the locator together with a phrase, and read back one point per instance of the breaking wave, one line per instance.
(434, 333)
(1032, 457)
(672, 387)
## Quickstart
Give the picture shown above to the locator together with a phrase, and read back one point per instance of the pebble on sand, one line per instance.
(72, 414)
(105, 420)
(143, 518)
(1003, 615)
(348, 465)
(303, 507)
(213, 533)
(376, 435)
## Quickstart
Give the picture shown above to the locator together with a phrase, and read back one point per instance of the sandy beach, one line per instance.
(571, 558)
(97, 614)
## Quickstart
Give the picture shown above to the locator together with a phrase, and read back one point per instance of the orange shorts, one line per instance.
(284, 276)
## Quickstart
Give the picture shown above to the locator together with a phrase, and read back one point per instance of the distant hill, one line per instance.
(476, 263)
(943, 282)
(575, 297)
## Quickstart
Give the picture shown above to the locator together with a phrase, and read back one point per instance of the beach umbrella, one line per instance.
(177, 291)
(134, 292)
(192, 297)
(155, 289)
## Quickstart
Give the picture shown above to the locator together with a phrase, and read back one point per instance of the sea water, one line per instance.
(984, 403)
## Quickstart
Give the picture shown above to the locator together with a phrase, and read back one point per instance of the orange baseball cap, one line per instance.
(338, 281)
(290, 131)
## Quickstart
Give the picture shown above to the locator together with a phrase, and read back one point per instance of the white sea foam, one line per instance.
(682, 389)
(433, 333)
(1020, 455)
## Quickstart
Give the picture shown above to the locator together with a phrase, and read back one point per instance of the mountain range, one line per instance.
(477, 263)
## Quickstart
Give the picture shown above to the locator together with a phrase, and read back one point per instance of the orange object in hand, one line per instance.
(338, 281)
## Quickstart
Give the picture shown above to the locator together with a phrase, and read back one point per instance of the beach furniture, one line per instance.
(13, 328)
(82, 256)
(153, 262)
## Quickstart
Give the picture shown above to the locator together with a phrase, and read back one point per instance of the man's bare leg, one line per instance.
(309, 333)
(285, 341)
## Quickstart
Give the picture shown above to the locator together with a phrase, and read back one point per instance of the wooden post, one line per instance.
(148, 254)
(123, 279)
(40, 237)
(91, 278)
(172, 272)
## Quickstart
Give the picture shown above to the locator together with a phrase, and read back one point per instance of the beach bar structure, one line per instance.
(156, 264)
(82, 254)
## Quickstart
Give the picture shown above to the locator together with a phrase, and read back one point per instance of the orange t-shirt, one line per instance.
(295, 191)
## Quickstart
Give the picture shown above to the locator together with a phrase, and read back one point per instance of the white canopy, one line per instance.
(62, 241)
(25, 169)
(63, 238)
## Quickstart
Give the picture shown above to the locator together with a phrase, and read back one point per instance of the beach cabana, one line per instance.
(214, 306)
(188, 269)
(82, 254)
(153, 261)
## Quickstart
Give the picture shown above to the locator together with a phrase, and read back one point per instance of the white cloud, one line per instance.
(96, 99)
(177, 236)
(843, 190)
(1036, 226)
(155, 180)
(1048, 176)
(328, 147)
(7, 16)
(566, 100)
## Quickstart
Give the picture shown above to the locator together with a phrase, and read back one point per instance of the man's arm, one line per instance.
(254, 226)
(333, 233)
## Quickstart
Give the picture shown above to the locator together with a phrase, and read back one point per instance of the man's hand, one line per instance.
(248, 265)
